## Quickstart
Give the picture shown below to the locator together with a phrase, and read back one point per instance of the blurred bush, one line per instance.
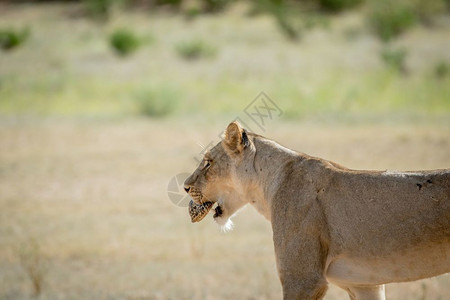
(286, 15)
(124, 41)
(391, 18)
(156, 101)
(192, 12)
(11, 38)
(205, 6)
(195, 49)
(442, 69)
(395, 59)
(426, 10)
(388, 19)
(288, 28)
(338, 5)
(101, 9)
(169, 3)
(215, 5)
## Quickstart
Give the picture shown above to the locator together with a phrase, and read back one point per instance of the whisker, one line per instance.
(201, 145)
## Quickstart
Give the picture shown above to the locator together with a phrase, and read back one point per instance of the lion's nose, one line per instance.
(187, 189)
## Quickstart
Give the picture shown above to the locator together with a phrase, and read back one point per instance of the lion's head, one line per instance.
(217, 180)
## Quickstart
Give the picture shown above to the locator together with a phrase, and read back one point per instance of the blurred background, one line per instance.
(102, 102)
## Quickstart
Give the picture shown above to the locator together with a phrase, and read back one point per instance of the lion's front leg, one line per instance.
(306, 288)
(301, 274)
(301, 261)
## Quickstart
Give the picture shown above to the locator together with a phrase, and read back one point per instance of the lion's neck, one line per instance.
(269, 161)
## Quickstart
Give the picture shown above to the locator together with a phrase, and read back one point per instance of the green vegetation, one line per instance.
(124, 41)
(11, 38)
(215, 5)
(101, 9)
(195, 49)
(442, 69)
(394, 59)
(170, 3)
(339, 5)
(387, 19)
(426, 10)
(377, 96)
(286, 16)
(157, 102)
(391, 18)
(287, 28)
(337, 96)
(192, 12)
(307, 80)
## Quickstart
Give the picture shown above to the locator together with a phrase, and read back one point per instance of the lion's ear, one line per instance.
(236, 139)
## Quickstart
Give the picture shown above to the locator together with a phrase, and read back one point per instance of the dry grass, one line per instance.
(93, 197)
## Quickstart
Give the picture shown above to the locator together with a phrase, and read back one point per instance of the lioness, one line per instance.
(355, 229)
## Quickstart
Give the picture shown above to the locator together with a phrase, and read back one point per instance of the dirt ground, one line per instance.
(84, 210)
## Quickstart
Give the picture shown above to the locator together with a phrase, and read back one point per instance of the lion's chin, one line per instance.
(225, 223)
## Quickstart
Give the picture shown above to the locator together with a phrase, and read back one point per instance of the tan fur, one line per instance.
(356, 229)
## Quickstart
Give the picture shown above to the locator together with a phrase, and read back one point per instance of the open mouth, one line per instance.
(218, 211)
(199, 211)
